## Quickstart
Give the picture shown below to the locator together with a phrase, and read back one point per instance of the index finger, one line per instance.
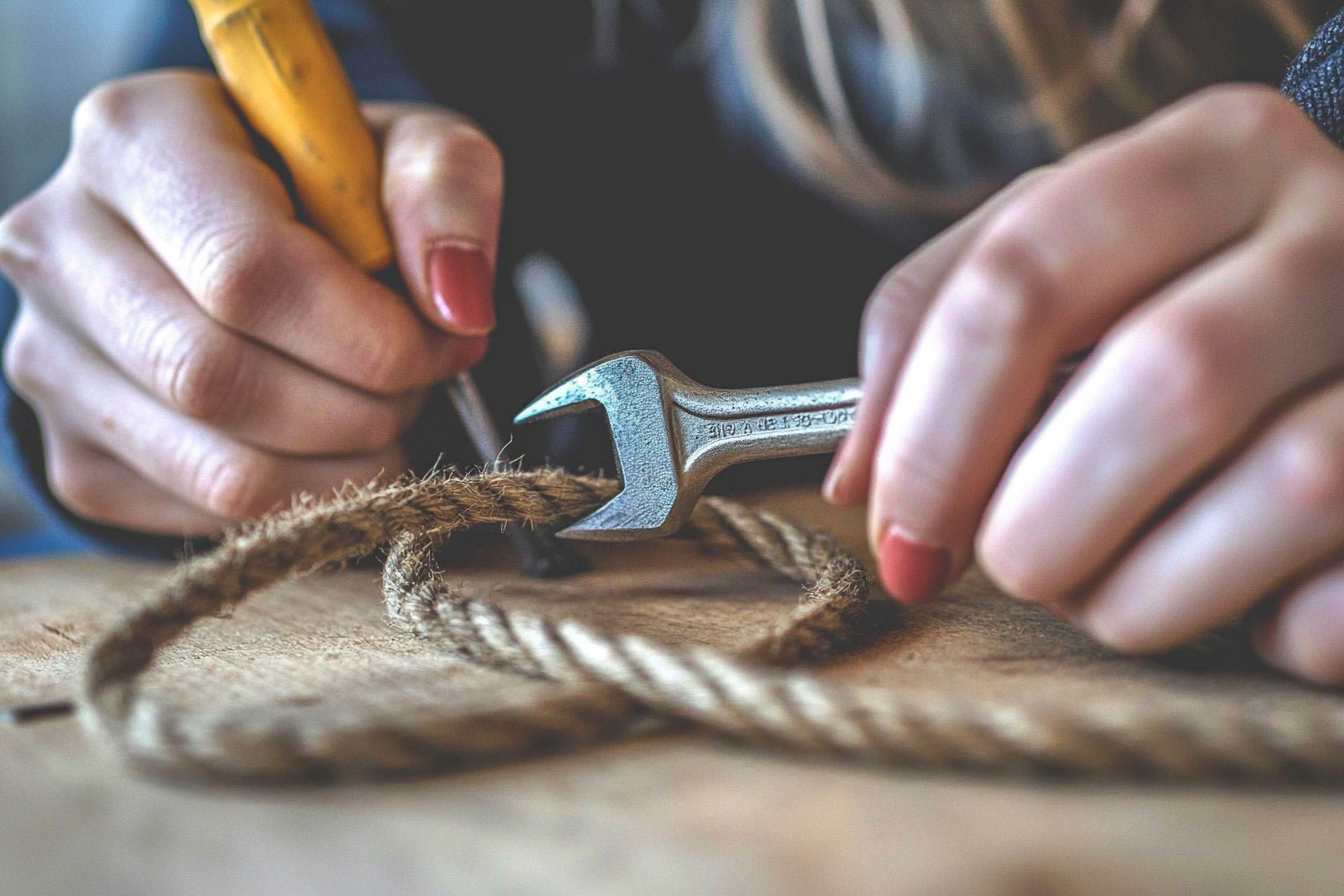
(1046, 277)
(443, 187)
(166, 153)
(890, 321)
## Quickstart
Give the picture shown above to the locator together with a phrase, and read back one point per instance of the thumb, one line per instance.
(443, 185)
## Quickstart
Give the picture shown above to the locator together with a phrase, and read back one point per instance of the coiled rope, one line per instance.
(606, 685)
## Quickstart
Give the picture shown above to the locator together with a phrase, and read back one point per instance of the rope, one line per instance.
(602, 685)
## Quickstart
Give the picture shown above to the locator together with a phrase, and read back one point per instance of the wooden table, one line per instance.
(683, 814)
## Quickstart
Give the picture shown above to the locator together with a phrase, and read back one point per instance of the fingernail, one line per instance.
(460, 282)
(911, 572)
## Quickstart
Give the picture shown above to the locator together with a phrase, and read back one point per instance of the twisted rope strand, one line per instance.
(597, 685)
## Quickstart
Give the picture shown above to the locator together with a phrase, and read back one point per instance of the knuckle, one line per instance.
(381, 366)
(24, 364)
(119, 106)
(896, 296)
(235, 484)
(404, 358)
(1238, 114)
(71, 482)
(234, 267)
(1005, 292)
(202, 379)
(1307, 468)
(22, 239)
(913, 485)
(468, 151)
(1176, 364)
(461, 157)
(108, 109)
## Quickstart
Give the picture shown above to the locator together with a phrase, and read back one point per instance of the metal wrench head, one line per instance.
(634, 389)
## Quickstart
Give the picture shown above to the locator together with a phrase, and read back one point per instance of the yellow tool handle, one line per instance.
(277, 62)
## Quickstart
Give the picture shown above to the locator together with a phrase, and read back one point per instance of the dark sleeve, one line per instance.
(1315, 80)
(377, 71)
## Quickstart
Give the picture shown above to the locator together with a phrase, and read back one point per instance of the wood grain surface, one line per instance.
(677, 814)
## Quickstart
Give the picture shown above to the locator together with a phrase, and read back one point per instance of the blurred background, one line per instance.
(51, 53)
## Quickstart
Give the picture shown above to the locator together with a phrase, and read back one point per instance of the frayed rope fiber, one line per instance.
(606, 685)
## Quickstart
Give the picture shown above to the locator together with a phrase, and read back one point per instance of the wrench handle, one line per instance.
(724, 427)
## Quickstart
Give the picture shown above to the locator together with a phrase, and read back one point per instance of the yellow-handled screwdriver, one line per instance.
(282, 71)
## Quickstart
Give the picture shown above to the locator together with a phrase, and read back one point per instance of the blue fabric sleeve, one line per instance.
(376, 68)
(1315, 80)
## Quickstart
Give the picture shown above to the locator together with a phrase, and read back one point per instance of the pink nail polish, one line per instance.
(911, 572)
(460, 283)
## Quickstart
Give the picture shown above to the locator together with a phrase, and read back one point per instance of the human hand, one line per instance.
(194, 353)
(1194, 468)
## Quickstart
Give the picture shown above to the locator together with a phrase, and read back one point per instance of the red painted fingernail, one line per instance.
(460, 282)
(911, 572)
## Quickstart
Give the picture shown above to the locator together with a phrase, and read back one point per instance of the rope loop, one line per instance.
(600, 685)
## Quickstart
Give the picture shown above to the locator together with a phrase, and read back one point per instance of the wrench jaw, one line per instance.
(627, 518)
(630, 388)
(662, 479)
(559, 401)
(672, 435)
(646, 460)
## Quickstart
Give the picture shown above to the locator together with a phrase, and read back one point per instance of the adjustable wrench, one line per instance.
(672, 434)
